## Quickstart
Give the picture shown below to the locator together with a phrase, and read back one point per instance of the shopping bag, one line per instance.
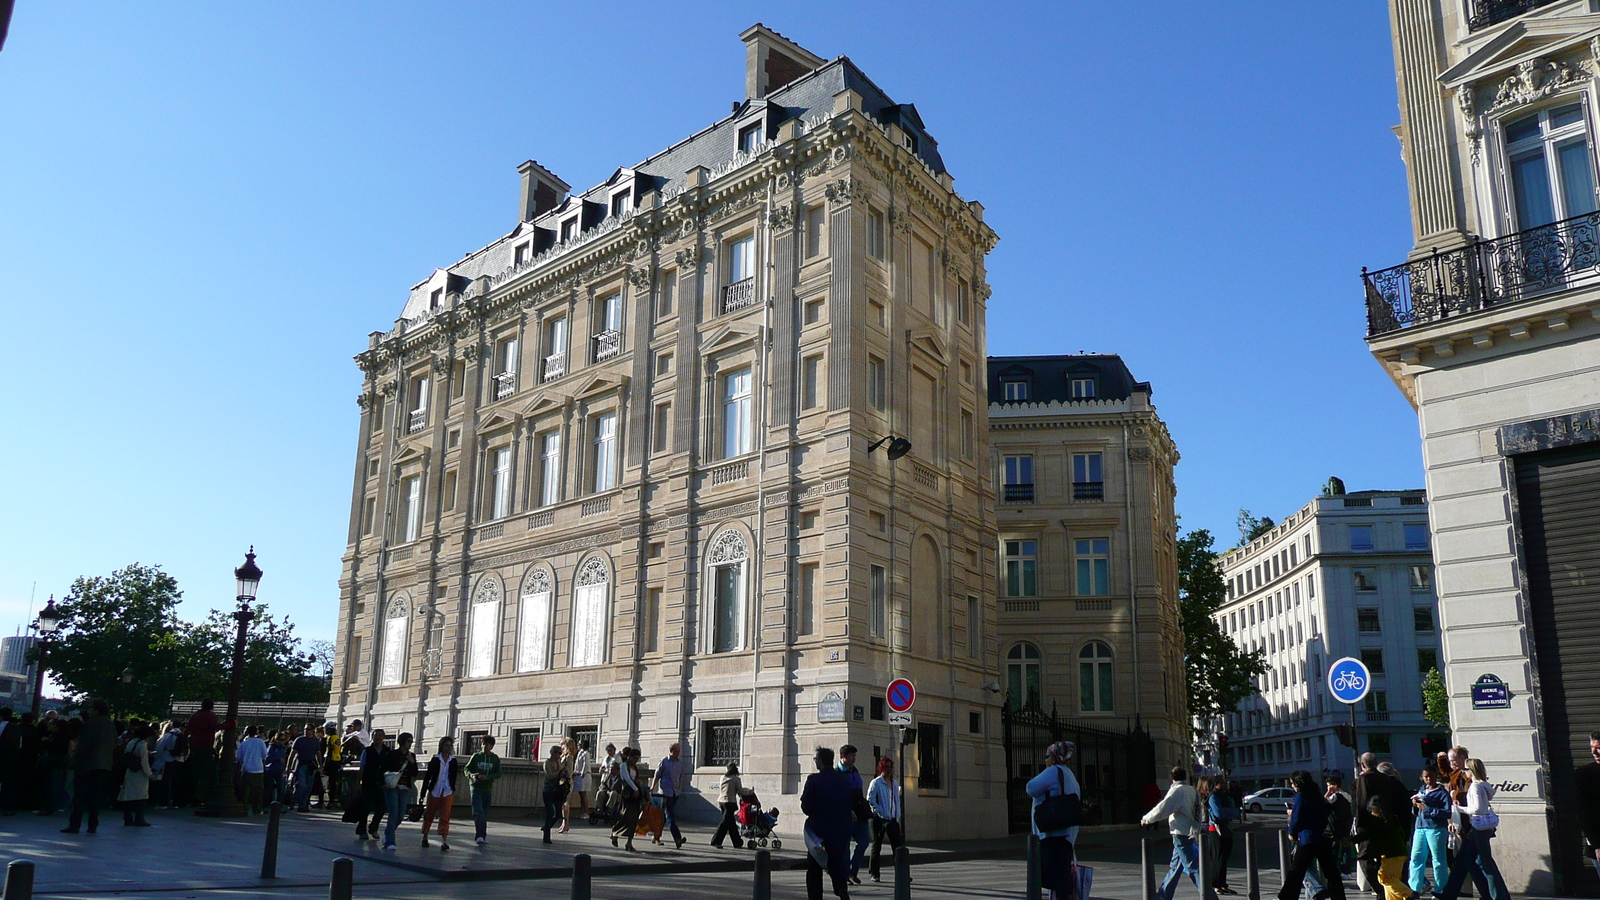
(651, 820)
(814, 848)
(1084, 882)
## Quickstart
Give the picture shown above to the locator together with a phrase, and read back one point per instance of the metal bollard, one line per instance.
(1147, 870)
(1035, 874)
(580, 877)
(763, 889)
(344, 877)
(902, 873)
(1202, 863)
(19, 881)
(269, 856)
(1252, 868)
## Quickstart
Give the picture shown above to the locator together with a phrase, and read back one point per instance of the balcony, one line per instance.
(607, 344)
(417, 421)
(1484, 275)
(739, 295)
(1019, 493)
(555, 366)
(1377, 715)
(1088, 490)
(505, 384)
(1491, 12)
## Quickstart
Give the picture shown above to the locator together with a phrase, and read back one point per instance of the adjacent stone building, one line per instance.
(621, 473)
(1088, 610)
(1347, 575)
(1490, 329)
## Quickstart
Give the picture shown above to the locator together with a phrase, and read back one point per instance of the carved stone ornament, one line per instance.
(839, 191)
(900, 222)
(389, 387)
(399, 607)
(594, 571)
(472, 350)
(688, 257)
(639, 278)
(488, 590)
(842, 153)
(537, 582)
(784, 181)
(1539, 78)
(729, 547)
(363, 400)
(1139, 453)
(781, 216)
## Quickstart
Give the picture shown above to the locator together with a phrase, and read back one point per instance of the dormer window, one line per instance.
(620, 203)
(910, 141)
(569, 229)
(436, 298)
(1015, 390)
(1083, 388)
(1550, 166)
(520, 254)
(749, 137)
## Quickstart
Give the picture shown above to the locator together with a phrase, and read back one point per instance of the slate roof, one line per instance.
(1050, 377)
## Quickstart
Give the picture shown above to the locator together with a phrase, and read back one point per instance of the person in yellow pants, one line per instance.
(1387, 844)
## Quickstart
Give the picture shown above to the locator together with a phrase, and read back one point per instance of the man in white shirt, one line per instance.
(1181, 808)
(252, 759)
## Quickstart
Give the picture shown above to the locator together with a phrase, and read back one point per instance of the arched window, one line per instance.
(590, 593)
(1022, 677)
(533, 632)
(483, 627)
(727, 560)
(1096, 687)
(393, 663)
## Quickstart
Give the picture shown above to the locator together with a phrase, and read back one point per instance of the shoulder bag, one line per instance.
(1058, 812)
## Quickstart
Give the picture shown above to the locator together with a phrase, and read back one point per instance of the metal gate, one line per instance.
(1112, 766)
(1558, 495)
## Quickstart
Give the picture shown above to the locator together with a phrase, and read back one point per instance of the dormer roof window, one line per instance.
(620, 203)
(569, 229)
(1016, 389)
(749, 137)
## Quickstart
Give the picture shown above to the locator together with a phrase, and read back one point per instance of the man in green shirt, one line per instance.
(482, 770)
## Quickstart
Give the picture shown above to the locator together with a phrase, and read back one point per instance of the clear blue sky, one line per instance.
(205, 208)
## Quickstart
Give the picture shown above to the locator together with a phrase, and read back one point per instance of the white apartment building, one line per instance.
(1346, 575)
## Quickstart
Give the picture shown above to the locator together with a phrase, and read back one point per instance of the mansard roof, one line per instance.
(1050, 377)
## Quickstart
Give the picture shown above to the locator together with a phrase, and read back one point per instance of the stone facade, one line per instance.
(1347, 575)
(614, 480)
(1491, 332)
(1088, 608)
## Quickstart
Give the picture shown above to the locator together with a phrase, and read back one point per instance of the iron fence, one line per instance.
(1113, 767)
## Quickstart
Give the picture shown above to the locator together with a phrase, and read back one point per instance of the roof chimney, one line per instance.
(772, 61)
(541, 190)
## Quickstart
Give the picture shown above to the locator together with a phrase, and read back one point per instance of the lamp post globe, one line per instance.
(49, 617)
(221, 800)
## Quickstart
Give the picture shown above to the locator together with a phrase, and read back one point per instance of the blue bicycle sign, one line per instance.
(1349, 680)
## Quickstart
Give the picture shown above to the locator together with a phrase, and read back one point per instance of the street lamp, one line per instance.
(222, 801)
(898, 446)
(49, 620)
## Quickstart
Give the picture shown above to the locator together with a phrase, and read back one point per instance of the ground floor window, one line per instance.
(930, 757)
(721, 742)
(525, 744)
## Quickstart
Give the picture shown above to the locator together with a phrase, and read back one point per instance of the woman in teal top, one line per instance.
(482, 770)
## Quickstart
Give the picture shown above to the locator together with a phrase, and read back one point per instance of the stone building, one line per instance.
(1088, 609)
(620, 473)
(1347, 575)
(1491, 330)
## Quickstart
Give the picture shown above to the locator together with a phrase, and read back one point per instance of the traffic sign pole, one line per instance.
(1349, 680)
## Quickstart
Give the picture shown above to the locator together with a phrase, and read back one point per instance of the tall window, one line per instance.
(419, 404)
(533, 629)
(611, 312)
(605, 452)
(805, 616)
(1022, 676)
(814, 219)
(549, 468)
(500, 483)
(1552, 174)
(741, 259)
(810, 378)
(966, 434)
(875, 233)
(877, 383)
(878, 607)
(505, 378)
(1022, 560)
(930, 757)
(661, 428)
(1360, 537)
(736, 413)
(963, 301)
(1094, 566)
(392, 669)
(608, 327)
(1087, 477)
(974, 626)
(591, 591)
(1019, 479)
(1096, 686)
(1417, 537)
(411, 499)
(652, 620)
(555, 343)
(727, 561)
(483, 630)
(669, 293)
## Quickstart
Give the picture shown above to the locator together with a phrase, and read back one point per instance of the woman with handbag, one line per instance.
(371, 803)
(1474, 857)
(631, 797)
(557, 780)
(399, 773)
(1057, 809)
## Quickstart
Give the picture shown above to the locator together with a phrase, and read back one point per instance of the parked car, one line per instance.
(1274, 799)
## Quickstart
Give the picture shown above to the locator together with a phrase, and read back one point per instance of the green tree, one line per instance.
(1436, 699)
(273, 660)
(1252, 527)
(116, 623)
(1218, 672)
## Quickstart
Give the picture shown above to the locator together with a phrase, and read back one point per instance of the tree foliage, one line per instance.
(1252, 527)
(128, 622)
(1219, 673)
(1435, 699)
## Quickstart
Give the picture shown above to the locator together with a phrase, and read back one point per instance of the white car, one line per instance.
(1276, 799)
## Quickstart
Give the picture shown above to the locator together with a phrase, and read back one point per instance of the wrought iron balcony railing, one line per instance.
(505, 384)
(1484, 274)
(419, 419)
(738, 295)
(1490, 12)
(607, 344)
(555, 366)
(1088, 490)
(1019, 493)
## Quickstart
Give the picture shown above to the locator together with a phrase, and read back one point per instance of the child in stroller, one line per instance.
(755, 826)
(607, 796)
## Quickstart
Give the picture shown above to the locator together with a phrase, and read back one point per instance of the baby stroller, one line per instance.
(755, 826)
(607, 805)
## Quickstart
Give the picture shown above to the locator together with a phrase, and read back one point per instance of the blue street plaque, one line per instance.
(1489, 692)
(1349, 680)
(830, 708)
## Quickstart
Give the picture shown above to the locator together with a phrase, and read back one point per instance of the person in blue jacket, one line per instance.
(1223, 811)
(1308, 828)
(1428, 842)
